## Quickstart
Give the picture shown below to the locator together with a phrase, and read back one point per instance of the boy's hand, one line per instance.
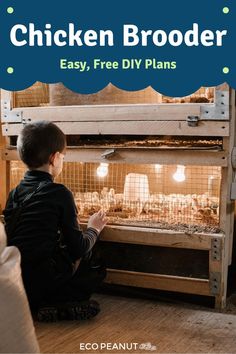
(97, 221)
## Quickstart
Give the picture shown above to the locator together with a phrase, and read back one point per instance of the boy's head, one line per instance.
(40, 144)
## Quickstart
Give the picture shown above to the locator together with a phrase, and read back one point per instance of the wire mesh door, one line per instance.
(173, 197)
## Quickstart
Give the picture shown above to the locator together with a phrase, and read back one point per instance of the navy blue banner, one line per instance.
(173, 46)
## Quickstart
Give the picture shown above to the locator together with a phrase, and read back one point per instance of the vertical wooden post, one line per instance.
(227, 207)
(4, 171)
(4, 183)
(232, 144)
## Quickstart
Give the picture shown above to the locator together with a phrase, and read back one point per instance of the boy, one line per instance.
(41, 220)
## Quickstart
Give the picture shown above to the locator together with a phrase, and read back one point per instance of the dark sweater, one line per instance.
(48, 211)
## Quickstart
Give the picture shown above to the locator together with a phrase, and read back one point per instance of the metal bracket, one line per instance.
(216, 246)
(12, 117)
(108, 153)
(193, 121)
(9, 115)
(219, 110)
(215, 280)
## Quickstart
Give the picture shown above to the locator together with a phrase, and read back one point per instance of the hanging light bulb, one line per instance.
(158, 168)
(179, 175)
(102, 170)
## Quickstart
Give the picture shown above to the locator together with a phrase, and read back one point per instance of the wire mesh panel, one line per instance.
(17, 171)
(174, 197)
(203, 95)
(58, 95)
(61, 96)
(34, 96)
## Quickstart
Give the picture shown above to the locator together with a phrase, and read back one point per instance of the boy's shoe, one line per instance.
(77, 310)
(47, 314)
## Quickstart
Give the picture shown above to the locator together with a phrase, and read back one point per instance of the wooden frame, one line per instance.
(159, 119)
(167, 238)
(4, 174)
(216, 120)
(133, 127)
(154, 156)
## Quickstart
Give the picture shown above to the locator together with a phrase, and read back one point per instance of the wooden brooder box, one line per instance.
(143, 248)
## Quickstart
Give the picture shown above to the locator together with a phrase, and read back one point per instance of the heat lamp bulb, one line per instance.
(179, 175)
(102, 170)
(158, 168)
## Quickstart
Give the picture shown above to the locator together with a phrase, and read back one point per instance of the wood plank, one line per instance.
(227, 208)
(4, 182)
(6, 101)
(158, 237)
(232, 144)
(214, 266)
(178, 112)
(4, 165)
(223, 87)
(223, 199)
(140, 156)
(205, 128)
(158, 281)
(224, 220)
(216, 261)
(170, 325)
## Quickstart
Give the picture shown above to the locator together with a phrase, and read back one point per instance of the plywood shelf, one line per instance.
(142, 156)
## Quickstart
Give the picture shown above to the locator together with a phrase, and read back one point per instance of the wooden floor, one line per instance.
(170, 328)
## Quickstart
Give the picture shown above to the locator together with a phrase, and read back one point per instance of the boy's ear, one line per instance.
(52, 159)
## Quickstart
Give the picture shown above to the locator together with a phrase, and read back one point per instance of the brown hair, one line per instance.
(38, 141)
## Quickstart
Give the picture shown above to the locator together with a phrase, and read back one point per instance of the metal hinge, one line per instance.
(108, 153)
(215, 281)
(193, 121)
(219, 110)
(216, 247)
